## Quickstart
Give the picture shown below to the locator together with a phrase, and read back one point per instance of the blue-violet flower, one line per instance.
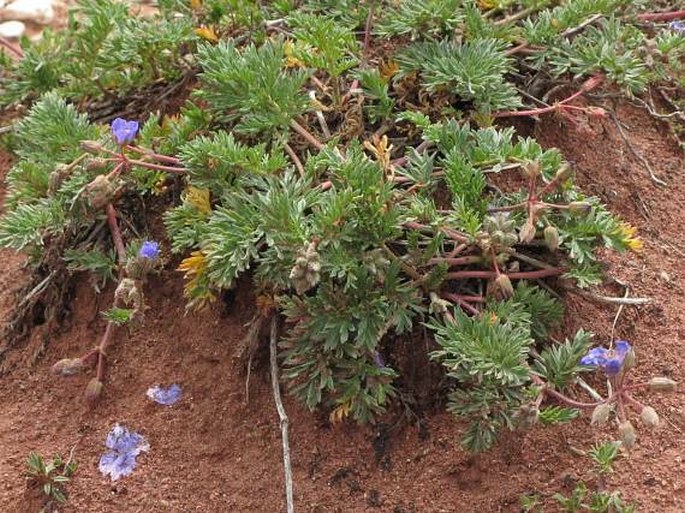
(678, 26)
(609, 360)
(149, 250)
(165, 396)
(124, 131)
(124, 447)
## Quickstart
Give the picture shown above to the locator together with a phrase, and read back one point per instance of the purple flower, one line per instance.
(124, 131)
(609, 360)
(149, 250)
(124, 446)
(166, 396)
(677, 26)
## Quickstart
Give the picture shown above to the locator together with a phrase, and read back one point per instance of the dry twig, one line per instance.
(290, 506)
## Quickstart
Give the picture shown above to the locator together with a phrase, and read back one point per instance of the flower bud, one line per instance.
(551, 235)
(579, 207)
(96, 164)
(564, 172)
(661, 384)
(629, 361)
(527, 233)
(94, 391)
(100, 191)
(531, 169)
(91, 146)
(503, 286)
(626, 433)
(601, 414)
(649, 416)
(68, 367)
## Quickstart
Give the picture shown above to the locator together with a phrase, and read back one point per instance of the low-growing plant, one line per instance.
(376, 214)
(50, 477)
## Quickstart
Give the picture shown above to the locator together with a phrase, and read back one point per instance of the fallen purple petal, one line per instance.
(124, 446)
(165, 396)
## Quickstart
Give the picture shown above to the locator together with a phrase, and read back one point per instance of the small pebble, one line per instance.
(37, 11)
(12, 29)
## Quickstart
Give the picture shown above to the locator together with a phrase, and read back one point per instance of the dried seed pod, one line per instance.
(579, 207)
(531, 169)
(661, 384)
(527, 232)
(564, 172)
(94, 391)
(649, 416)
(601, 414)
(68, 367)
(551, 235)
(100, 191)
(626, 433)
(503, 287)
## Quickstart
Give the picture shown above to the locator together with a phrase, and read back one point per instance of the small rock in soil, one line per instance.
(12, 29)
(37, 11)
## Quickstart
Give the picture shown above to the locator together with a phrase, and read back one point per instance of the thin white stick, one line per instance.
(290, 506)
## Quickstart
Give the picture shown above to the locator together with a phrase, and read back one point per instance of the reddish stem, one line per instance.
(570, 402)
(156, 156)
(461, 297)
(465, 260)
(529, 275)
(157, 167)
(661, 16)
(116, 237)
(102, 356)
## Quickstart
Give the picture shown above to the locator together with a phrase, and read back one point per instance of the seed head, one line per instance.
(649, 416)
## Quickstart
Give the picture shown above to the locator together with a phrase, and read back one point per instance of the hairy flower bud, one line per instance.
(68, 367)
(579, 207)
(503, 287)
(601, 414)
(305, 274)
(551, 235)
(527, 233)
(661, 384)
(531, 169)
(91, 146)
(626, 432)
(528, 415)
(629, 361)
(128, 293)
(649, 416)
(100, 191)
(96, 164)
(564, 172)
(94, 391)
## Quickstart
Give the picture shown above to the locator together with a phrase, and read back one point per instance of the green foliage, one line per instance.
(50, 477)
(557, 415)
(250, 88)
(322, 43)
(558, 364)
(96, 261)
(604, 455)
(103, 52)
(486, 355)
(119, 316)
(429, 18)
(474, 71)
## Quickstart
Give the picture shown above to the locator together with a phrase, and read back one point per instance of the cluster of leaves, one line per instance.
(50, 477)
(357, 213)
(104, 52)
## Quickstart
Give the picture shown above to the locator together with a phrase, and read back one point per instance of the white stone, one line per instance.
(37, 11)
(12, 29)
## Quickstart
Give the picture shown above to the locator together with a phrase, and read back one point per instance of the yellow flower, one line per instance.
(627, 233)
(381, 150)
(207, 33)
(199, 198)
(290, 60)
(340, 412)
(196, 288)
